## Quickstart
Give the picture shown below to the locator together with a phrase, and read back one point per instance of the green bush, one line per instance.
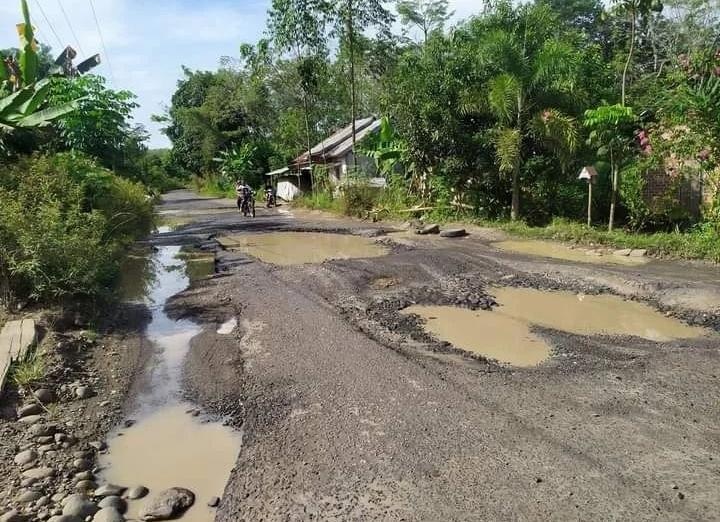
(64, 223)
(358, 199)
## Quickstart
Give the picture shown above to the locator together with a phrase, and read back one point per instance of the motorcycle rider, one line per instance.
(243, 192)
(270, 196)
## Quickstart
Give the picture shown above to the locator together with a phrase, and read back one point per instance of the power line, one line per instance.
(102, 40)
(72, 30)
(50, 25)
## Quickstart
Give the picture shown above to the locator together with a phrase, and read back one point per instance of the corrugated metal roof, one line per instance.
(346, 146)
(340, 143)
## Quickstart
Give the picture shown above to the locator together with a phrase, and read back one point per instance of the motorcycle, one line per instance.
(270, 200)
(247, 205)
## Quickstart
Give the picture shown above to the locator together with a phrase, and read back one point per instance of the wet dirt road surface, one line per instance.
(350, 410)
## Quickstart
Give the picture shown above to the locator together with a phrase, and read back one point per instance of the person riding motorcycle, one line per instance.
(270, 196)
(244, 194)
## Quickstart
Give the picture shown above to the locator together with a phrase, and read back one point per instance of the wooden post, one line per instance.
(589, 223)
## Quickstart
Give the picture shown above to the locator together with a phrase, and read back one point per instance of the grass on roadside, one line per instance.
(29, 371)
(703, 242)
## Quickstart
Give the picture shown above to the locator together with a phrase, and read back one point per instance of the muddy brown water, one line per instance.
(489, 334)
(296, 248)
(170, 444)
(505, 334)
(559, 251)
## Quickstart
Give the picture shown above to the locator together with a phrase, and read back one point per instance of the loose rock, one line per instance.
(31, 419)
(78, 505)
(28, 496)
(29, 409)
(83, 392)
(82, 464)
(214, 502)
(44, 395)
(429, 229)
(12, 516)
(25, 457)
(108, 514)
(113, 502)
(137, 492)
(453, 232)
(168, 504)
(39, 473)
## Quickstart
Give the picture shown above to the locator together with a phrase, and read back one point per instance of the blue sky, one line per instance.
(148, 41)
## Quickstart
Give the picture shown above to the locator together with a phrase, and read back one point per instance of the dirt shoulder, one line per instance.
(53, 428)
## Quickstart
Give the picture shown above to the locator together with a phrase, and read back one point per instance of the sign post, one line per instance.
(588, 174)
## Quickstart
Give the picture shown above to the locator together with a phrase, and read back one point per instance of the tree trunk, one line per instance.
(515, 207)
(613, 194)
(308, 137)
(353, 103)
(629, 56)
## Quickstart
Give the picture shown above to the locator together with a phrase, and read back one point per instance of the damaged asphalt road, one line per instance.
(349, 411)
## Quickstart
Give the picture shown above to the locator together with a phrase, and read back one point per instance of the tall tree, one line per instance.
(533, 71)
(426, 15)
(352, 17)
(634, 9)
(299, 27)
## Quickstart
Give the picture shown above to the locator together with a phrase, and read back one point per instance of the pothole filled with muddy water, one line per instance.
(297, 248)
(506, 332)
(166, 442)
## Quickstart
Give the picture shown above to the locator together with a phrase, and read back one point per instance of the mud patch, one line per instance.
(489, 334)
(559, 251)
(297, 248)
(172, 447)
(590, 314)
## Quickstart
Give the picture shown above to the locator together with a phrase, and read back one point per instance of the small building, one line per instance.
(289, 185)
(337, 155)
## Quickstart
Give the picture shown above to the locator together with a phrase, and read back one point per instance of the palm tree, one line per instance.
(531, 70)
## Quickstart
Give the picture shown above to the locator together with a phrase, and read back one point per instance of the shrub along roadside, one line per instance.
(64, 225)
(700, 242)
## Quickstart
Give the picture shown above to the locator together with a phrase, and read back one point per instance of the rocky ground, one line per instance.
(52, 429)
(350, 411)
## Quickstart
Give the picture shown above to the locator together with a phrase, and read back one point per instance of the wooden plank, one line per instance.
(15, 339)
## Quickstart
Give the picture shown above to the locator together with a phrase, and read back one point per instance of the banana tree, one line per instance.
(16, 73)
(23, 99)
(386, 148)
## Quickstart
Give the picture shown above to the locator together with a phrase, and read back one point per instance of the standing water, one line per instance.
(168, 445)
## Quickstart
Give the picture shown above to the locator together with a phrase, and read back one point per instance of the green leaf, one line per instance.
(44, 117)
(28, 59)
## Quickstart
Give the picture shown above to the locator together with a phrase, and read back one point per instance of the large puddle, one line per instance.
(591, 314)
(560, 251)
(505, 333)
(296, 248)
(489, 334)
(169, 444)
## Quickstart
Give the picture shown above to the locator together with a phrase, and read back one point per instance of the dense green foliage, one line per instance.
(496, 116)
(64, 224)
(77, 180)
